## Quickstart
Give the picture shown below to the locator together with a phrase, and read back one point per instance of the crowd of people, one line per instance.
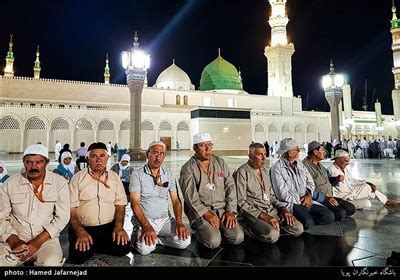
(91, 199)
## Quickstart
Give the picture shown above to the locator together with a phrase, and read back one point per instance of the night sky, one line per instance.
(75, 35)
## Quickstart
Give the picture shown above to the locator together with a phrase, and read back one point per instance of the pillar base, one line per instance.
(137, 155)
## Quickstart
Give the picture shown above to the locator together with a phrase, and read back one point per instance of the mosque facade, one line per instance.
(35, 109)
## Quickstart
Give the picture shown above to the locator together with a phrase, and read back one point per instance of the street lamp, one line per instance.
(135, 62)
(332, 84)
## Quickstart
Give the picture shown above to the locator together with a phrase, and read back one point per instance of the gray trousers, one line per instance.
(265, 232)
(211, 237)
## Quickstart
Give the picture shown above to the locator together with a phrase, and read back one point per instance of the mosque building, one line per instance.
(45, 110)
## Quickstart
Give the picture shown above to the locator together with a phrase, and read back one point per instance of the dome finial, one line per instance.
(331, 68)
(394, 17)
(36, 67)
(219, 51)
(173, 61)
(107, 71)
(136, 38)
(10, 44)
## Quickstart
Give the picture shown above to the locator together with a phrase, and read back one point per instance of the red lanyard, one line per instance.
(98, 179)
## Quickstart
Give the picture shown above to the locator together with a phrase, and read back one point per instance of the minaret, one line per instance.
(279, 54)
(395, 30)
(107, 72)
(36, 67)
(9, 70)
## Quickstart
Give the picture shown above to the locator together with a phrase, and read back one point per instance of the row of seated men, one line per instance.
(36, 205)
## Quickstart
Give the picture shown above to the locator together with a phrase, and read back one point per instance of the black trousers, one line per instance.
(102, 243)
(343, 210)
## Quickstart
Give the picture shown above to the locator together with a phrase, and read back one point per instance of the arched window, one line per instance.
(125, 125)
(106, 125)
(285, 128)
(178, 100)
(298, 128)
(59, 124)
(147, 125)
(259, 128)
(83, 124)
(183, 126)
(185, 100)
(272, 128)
(9, 123)
(165, 125)
(35, 123)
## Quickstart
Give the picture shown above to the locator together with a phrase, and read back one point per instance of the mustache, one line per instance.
(33, 171)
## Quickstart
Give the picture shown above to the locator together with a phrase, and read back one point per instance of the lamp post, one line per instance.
(135, 62)
(332, 84)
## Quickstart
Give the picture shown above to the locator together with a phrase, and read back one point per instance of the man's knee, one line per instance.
(55, 260)
(144, 249)
(271, 237)
(183, 244)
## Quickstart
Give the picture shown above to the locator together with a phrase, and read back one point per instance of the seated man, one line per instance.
(323, 192)
(124, 170)
(34, 209)
(152, 222)
(81, 154)
(292, 184)
(358, 192)
(263, 216)
(210, 197)
(98, 203)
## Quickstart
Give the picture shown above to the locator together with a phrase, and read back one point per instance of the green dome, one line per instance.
(220, 74)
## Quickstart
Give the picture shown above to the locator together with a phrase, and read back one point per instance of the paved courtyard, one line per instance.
(366, 239)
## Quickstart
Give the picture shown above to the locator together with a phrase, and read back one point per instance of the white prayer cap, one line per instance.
(37, 149)
(155, 143)
(125, 157)
(286, 145)
(341, 153)
(201, 137)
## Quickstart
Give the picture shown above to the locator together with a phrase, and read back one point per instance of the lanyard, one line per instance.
(260, 180)
(98, 179)
(38, 192)
(208, 173)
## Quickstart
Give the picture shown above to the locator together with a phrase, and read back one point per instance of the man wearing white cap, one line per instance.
(358, 192)
(323, 184)
(152, 221)
(34, 209)
(98, 203)
(210, 197)
(294, 185)
(124, 170)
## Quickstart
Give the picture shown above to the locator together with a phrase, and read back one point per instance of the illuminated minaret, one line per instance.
(279, 54)
(9, 69)
(36, 67)
(395, 30)
(107, 72)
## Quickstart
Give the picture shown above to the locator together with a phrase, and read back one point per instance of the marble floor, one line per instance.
(366, 239)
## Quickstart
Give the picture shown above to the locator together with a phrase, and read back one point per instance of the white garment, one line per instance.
(109, 149)
(164, 228)
(57, 150)
(352, 189)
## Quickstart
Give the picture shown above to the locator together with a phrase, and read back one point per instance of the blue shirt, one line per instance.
(153, 198)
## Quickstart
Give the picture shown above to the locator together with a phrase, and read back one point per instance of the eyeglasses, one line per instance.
(205, 145)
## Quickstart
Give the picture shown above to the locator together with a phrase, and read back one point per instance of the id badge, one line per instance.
(210, 186)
